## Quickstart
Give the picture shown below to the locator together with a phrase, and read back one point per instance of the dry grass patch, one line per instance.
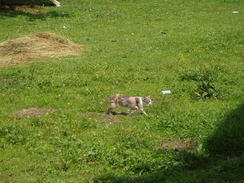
(34, 111)
(175, 144)
(35, 47)
(19, 7)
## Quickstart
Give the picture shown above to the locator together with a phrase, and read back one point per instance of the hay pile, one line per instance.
(35, 47)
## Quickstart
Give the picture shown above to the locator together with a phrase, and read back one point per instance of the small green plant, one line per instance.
(205, 78)
(207, 89)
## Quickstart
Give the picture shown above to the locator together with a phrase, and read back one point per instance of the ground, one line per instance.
(133, 47)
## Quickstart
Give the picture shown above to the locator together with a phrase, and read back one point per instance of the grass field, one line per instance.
(135, 47)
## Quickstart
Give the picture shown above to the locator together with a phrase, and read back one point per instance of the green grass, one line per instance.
(133, 47)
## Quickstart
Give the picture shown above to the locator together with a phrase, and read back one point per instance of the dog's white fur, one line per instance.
(55, 2)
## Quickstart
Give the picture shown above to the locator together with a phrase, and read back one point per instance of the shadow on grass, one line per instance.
(119, 113)
(225, 162)
(14, 9)
(228, 139)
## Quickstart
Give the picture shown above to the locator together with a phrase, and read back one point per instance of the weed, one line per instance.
(205, 78)
(206, 89)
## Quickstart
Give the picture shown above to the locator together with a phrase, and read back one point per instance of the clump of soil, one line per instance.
(35, 47)
(175, 144)
(34, 111)
(102, 117)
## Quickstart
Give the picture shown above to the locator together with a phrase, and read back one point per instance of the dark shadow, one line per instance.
(228, 139)
(119, 113)
(125, 113)
(14, 9)
(225, 162)
(33, 16)
(26, 2)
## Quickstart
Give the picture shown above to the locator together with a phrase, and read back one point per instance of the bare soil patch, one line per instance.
(35, 47)
(175, 144)
(19, 7)
(34, 111)
(103, 117)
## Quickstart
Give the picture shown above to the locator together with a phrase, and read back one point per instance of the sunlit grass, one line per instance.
(133, 47)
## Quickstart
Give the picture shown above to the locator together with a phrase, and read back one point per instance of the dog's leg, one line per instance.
(142, 110)
(132, 110)
(110, 108)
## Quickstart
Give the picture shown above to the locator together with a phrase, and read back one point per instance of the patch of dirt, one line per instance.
(19, 7)
(175, 144)
(34, 111)
(35, 47)
(103, 117)
(38, 13)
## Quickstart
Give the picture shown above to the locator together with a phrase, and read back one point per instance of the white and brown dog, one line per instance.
(133, 103)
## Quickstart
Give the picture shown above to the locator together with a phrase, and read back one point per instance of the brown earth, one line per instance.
(33, 111)
(175, 144)
(19, 7)
(35, 47)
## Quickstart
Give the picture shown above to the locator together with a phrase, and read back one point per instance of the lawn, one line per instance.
(138, 48)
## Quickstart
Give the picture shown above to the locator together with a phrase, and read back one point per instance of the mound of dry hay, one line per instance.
(36, 46)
